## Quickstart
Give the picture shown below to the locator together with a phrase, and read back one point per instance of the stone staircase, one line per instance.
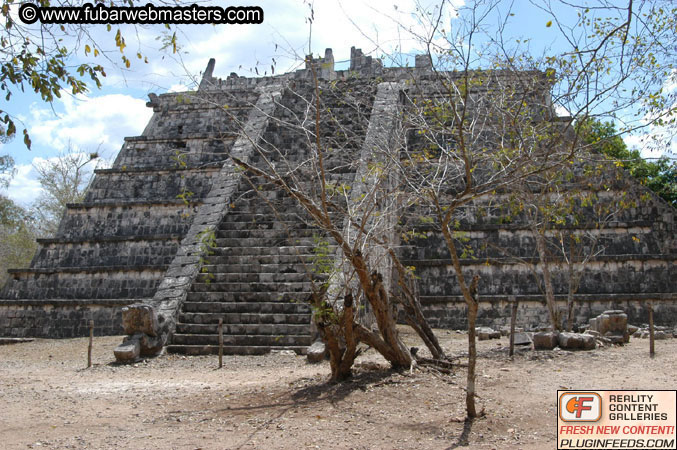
(260, 275)
(257, 280)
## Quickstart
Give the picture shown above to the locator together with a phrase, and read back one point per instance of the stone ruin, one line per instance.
(132, 256)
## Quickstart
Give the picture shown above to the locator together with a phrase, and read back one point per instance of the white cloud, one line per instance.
(24, 188)
(88, 123)
(285, 33)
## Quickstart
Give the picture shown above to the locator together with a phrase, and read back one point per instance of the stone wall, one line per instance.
(60, 319)
(532, 313)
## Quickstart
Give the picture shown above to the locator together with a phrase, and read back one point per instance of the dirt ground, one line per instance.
(48, 399)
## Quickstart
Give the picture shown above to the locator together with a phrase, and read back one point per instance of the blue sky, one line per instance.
(101, 119)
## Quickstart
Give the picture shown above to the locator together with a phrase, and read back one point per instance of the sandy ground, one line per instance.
(48, 399)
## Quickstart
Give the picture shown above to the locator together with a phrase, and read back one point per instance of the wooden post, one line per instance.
(651, 339)
(220, 343)
(513, 319)
(89, 349)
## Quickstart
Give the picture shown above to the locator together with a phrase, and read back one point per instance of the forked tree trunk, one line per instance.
(341, 358)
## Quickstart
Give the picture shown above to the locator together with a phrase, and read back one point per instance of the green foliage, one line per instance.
(206, 244)
(40, 58)
(323, 257)
(660, 176)
(17, 237)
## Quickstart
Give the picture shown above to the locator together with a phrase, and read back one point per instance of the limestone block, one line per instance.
(545, 340)
(575, 341)
(150, 345)
(139, 318)
(618, 322)
(632, 329)
(660, 335)
(485, 333)
(316, 352)
(128, 351)
(522, 339)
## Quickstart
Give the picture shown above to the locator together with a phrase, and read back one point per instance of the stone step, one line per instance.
(281, 241)
(257, 268)
(295, 250)
(235, 215)
(245, 318)
(277, 259)
(284, 233)
(240, 297)
(254, 340)
(233, 349)
(271, 224)
(264, 277)
(283, 287)
(257, 329)
(243, 307)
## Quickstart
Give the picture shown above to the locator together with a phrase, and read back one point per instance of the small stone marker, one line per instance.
(140, 323)
(316, 352)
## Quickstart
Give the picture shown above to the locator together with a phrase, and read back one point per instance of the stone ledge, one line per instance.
(91, 269)
(515, 262)
(521, 227)
(200, 137)
(207, 167)
(71, 302)
(133, 203)
(658, 296)
(137, 238)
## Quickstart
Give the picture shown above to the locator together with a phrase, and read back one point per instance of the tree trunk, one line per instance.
(472, 362)
(413, 311)
(372, 285)
(469, 293)
(547, 281)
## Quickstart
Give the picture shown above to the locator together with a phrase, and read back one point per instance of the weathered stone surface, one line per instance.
(661, 335)
(485, 333)
(545, 340)
(522, 339)
(151, 345)
(505, 330)
(128, 351)
(612, 324)
(632, 329)
(317, 352)
(139, 318)
(575, 341)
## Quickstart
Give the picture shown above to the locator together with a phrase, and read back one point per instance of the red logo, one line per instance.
(577, 404)
(580, 407)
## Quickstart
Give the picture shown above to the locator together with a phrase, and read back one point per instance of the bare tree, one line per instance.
(63, 180)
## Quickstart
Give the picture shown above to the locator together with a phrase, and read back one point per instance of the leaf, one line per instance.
(27, 140)
(549, 24)
(87, 49)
